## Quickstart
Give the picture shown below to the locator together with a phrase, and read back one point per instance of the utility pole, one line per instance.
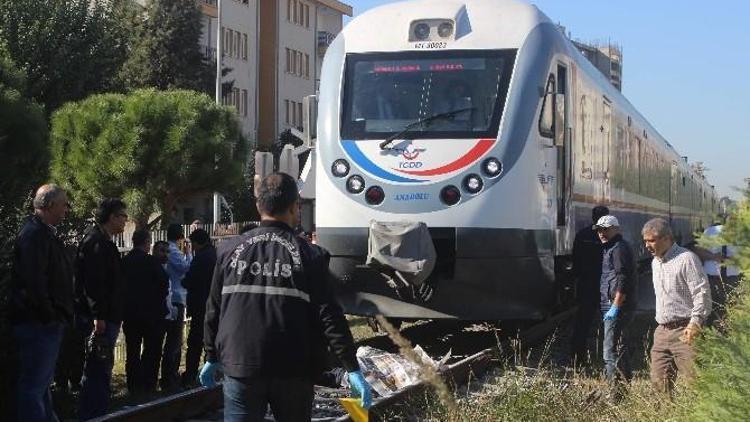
(219, 54)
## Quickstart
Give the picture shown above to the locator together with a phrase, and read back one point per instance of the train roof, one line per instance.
(480, 24)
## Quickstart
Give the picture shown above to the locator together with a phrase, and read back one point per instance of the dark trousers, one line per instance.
(172, 356)
(143, 340)
(246, 399)
(615, 348)
(96, 386)
(194, 348)
(588, 312)
(70, 363)
(38, 347)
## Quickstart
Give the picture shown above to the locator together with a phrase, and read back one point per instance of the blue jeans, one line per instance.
(616, 350)
(246, 399)
(38, 347)
(97, 376)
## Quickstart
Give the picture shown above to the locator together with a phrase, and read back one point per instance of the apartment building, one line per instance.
(239, 23)
(294, 35)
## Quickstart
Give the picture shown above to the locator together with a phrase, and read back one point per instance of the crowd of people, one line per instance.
(262, 313)
(72, 309)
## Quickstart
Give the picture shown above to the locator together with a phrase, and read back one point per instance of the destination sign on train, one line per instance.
(447, 65)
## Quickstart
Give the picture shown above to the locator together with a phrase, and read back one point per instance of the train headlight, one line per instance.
(421, 31)
(355, 184)
(374, 195)
(473, 183)
(450, 195)
(340, 168)
(492, 167)
(445, 29)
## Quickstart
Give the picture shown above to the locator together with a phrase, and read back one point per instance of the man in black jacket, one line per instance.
(41, 302)
(617, 292)
(197, 281)
(99, 289)
(587, 269)
(269, 308)
(145, 307)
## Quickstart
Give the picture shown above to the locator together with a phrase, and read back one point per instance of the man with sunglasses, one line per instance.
(617, 290)
(99, 292)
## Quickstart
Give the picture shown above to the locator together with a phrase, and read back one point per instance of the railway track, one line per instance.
(474, 350)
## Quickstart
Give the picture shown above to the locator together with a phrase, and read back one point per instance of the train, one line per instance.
(482, 121)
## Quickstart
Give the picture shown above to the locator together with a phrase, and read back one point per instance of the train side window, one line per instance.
(547, 116)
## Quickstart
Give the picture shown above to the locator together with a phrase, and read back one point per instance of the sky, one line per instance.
(685, 68)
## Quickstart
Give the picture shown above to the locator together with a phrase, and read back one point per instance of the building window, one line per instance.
(307, 16)
(224, 41)
(295, 12)
(299, 114)
(228, 42)
(294, 62)
(289, 10)
(236, 99)
(301, 13)
(307, 66)
(244, 102)
(286, 106)
(244, 46)
(294, 113)
(288, 67)
(237, 42)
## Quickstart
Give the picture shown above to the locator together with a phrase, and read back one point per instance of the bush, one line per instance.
(723, 371)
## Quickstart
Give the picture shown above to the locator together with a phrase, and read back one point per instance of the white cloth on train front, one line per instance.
(403, 246)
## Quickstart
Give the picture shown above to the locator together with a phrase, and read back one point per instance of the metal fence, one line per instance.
(218, 232)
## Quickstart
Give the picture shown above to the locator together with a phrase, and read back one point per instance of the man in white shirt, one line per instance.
(683, 304)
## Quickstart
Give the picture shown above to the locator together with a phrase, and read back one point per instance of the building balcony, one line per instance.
(325, 39)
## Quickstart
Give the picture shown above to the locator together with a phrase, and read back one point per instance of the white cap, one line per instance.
(607, 221)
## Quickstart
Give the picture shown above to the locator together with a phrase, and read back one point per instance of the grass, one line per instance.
(530, 385)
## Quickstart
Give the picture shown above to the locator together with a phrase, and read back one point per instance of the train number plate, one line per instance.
(431, 44)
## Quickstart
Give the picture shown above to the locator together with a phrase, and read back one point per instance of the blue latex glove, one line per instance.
(360, 386)
(208, 372)
(612, 313)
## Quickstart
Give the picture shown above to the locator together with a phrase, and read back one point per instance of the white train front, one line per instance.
(503, 139)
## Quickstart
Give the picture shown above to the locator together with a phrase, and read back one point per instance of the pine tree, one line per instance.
(166, 53)
(152, 148)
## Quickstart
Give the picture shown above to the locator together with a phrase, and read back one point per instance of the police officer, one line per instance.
(270, 313)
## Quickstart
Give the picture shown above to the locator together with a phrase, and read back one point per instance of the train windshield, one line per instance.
(386, 92)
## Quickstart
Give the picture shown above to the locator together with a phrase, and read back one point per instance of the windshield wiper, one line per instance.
(446, 115)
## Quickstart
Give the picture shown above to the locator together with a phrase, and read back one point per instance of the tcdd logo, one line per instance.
(410, 164)
(411, 152)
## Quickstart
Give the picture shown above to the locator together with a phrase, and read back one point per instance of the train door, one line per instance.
(562, 135)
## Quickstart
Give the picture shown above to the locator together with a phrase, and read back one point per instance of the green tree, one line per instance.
(68, 49)
(23, 138)
(152, 148)
(167, 53)
(723, 380)
(23, 145)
